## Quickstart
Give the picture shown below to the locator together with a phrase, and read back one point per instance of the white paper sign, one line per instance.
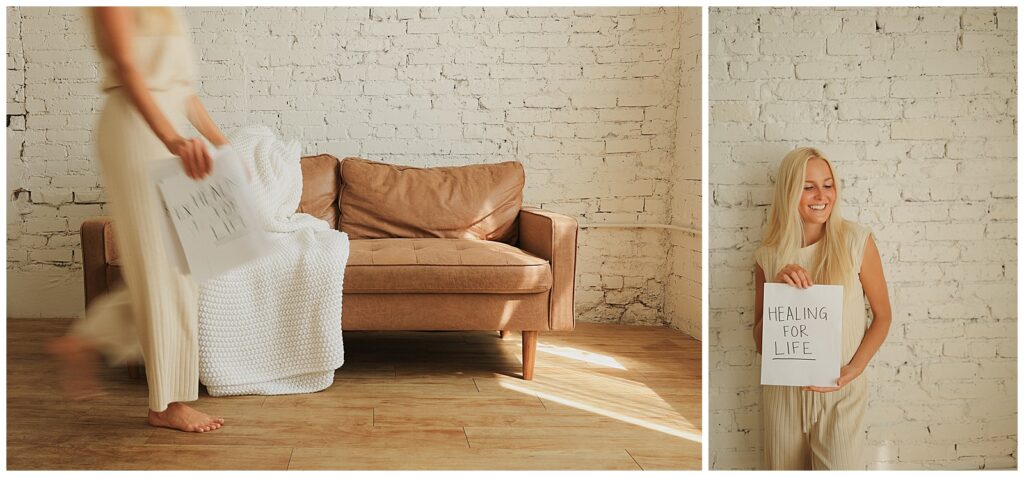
(214, 226)
(802, 335)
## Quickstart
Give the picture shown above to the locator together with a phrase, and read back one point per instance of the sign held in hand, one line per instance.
(801, 335)
(210, 225)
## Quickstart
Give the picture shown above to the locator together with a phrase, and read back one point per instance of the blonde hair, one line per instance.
(783, 234)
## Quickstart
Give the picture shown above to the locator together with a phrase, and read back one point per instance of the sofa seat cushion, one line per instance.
(436, 265)
(432, 265)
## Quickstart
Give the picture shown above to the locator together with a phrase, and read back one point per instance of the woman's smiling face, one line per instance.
(819, 193)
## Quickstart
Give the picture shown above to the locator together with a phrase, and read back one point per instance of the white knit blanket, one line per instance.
(273, 326)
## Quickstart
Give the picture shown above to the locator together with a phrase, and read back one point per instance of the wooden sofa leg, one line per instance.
(504, 333)
(529, 353)
(133, 370)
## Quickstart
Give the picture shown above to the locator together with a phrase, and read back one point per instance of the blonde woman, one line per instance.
(807, 241)
(149, 79)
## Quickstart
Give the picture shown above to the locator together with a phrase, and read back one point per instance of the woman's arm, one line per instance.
(758, 306)
(873, 282)
(203, 123)
(116, 23)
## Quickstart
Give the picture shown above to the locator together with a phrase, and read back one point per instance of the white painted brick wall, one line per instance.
(586, 98)
(917, 107)
(683, 295)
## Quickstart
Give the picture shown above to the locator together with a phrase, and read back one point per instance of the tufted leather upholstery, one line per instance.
(431, 265)
(320, 188)
(478, 201)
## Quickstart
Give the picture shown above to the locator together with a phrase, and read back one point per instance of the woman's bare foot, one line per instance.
(183, 418)
(79, 365)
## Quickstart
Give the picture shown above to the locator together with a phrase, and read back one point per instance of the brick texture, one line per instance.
(917, 108)
(683, 295)
(586, 98)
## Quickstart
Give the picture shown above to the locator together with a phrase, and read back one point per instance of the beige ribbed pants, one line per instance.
(156, 315)
(819, 431)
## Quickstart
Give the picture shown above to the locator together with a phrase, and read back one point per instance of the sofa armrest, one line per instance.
(94, 257)
(552, 236)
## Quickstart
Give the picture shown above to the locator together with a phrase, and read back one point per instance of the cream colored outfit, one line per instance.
(156, 315)
(811, 430)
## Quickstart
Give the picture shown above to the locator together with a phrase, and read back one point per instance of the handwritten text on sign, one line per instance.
(802, 335)
(210, 208)
(212, 224)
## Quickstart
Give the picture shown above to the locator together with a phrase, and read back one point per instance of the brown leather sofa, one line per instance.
(446, 248)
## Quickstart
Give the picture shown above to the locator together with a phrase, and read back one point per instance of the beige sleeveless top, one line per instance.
(854, 314)
(162, 47)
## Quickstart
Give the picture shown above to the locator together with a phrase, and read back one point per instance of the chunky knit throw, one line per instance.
(273, 326)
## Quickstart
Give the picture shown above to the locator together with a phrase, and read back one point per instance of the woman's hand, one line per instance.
(194, 156)
(847, 374)
(794, 275)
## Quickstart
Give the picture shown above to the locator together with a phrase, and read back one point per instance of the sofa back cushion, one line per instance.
(479, 201)
(320, 188)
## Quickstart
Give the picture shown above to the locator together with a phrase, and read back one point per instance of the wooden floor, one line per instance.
(604, 397)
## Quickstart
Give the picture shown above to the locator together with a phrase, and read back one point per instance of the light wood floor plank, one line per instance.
(684, 456)
(603, 397)
(464, 459)
(149, 457)
(614, 435)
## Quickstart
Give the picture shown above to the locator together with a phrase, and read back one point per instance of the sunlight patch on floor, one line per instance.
(580, 355)
(692, 436)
